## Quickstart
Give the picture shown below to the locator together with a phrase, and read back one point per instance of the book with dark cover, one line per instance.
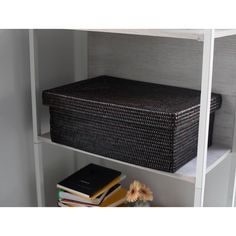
(89, 180)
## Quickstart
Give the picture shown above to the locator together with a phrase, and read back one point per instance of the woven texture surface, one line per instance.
(151, 125)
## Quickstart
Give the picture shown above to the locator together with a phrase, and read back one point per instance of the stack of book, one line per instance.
(92, 186)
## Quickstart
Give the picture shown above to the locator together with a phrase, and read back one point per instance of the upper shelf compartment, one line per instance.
(169, 33)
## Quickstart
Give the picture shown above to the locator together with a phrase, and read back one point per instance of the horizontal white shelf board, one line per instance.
(196, 34)
(216, 154)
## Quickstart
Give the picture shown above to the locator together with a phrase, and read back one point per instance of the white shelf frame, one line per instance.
(181, 174)
(208, 37)
(39, 174)
(206, 86)
(194, 34)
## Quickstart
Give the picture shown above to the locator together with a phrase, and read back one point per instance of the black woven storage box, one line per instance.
(146, 124)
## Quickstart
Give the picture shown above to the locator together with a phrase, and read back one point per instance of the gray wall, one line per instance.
(17, 186)
(17, 181)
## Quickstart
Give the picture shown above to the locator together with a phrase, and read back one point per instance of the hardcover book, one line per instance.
(114, 200)
(90, 181)
(66, 197)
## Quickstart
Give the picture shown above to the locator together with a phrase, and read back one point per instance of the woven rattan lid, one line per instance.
(133, 94)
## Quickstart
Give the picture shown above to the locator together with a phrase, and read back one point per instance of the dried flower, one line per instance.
(145, 194)
(133, 193)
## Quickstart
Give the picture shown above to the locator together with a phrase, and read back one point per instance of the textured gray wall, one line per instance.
(175, 62)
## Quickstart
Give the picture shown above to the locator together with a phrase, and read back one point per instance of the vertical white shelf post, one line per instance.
(232, 196)
(36, 124)
(206, 85)
(232, 176)
(233, 165)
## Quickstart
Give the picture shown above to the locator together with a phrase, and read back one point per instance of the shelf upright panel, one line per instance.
(232, 175)
(232, 182)
(233, 202)
(35, 116)
(206, 85)
(234, 164)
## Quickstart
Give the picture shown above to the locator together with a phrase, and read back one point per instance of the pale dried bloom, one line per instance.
(133, 193)
(145, 194)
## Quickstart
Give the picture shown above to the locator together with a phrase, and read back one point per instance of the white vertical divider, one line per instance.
(39, 174)
(80, 65)
(232, 182)
(233, 157)
(232, 176)
(34, 83)
(36, 116)
(206, 85)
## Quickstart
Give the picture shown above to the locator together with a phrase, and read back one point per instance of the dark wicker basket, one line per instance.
(151, 125)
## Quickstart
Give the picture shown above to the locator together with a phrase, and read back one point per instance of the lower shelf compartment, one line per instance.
(216, 154)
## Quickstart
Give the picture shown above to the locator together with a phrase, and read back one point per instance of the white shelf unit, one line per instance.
(196, 170)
